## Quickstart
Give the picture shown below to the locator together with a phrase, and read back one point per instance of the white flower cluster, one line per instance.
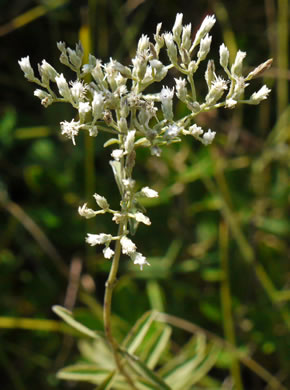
(127, 245)
(115, 101)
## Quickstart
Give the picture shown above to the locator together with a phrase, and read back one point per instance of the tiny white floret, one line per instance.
(108, 253)
(149, 193)
(208, 137)
(139, 259)
(128, 246)
(97, 239)
(85, 212)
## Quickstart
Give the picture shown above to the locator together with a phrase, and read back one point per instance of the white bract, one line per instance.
(116, 102)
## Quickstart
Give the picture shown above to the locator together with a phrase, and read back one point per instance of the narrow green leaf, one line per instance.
(67, 316)
(144, 371)
(108, 382)
(158, 347)
(84, 372)
(138, 332)
(111, 141)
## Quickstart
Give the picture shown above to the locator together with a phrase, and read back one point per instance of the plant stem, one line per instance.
(109, 288)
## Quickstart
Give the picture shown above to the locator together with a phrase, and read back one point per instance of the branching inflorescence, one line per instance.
(116, 102)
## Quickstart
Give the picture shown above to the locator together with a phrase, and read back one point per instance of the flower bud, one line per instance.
(75, 58)
(204, 47)
(158, 39)
(129, 141)
(160, 71)
(97, 239)
(171, 48)
(262, 94)
(177, 28)
(186, 37)
(85, 212)
(166, 98)
(181, 90)
(236, 68)
(25, 66)
(122, 124)
(46, 98)
(216, 91)
(47, 71)
(208, 137)
(143, 44)
(148, 192)
(210, 73)
(205, 27)
(63, 87)
(101, 201)
(128, 246)
(224, 55)
(97, 105)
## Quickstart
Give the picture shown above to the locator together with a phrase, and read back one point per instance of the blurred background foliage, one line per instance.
(219, 240)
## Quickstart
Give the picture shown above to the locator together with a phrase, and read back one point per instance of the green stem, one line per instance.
(109, 288)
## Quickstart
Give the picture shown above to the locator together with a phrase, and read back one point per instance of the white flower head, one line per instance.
(262, 94)
(166, 98)
(139, 259)
(25, 66)
(186, 37)
(205, 27)
(84, 108)
(108, 252)
(195, 130)
(208, 137)
(217, 88)
(85, 212)
(172, 131)
(129, 141)
(46, 98)
(171, 47)
(129, 184)
(78, 90)
(47, 71)
(70, 129)
(148, 192)
(117, 217)
(236, 68)
(101, 201)
(143, 44)
(140, 217)
(63, 87)
(177, 28)
(98, 105)
(231, 103)
(204, 47)
(117, 154)
(181, 90)
(98, 239)
(128, 246)
(224, 55)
